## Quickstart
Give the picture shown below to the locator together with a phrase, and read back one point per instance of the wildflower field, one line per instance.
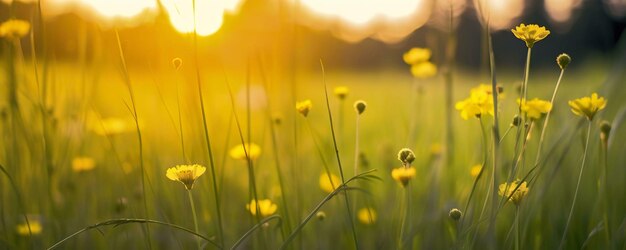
(156, 137)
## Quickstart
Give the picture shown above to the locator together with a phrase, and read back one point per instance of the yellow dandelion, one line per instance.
(328, 183)
(35, 228)
(403, 175)
(14, 28)
(239, 152)
(417, 55)
(366, 215)
(530, 33)
(303, 107)
(516, 195)
(186, 174)
(535, 108)
(83, 164)
(341, 92)
(478, 104)
(424, 70)
(475, 170)
(587, 106)
(266, 207)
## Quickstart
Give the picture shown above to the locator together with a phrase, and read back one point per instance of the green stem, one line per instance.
(195, 217)
(607, 227)
(405, 215)
(545, 123)
(517, 231)
(580, 175)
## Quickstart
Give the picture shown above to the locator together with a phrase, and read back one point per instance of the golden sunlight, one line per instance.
(500, 13)
(209, 14)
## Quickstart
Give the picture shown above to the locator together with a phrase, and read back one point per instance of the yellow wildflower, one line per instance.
(475, 170)
(14, 28)
(506, 190)
(329, 183)
(341, 92)
(238, 152)
(35, 228)
(479, 103)
(303, 107)
(587, 106)
(366, 215)
(424, 70)
(266, 207)
(534, 108)
(530, 33)
(83, 164)
(186, 174)
(403, 175)
(417, 55)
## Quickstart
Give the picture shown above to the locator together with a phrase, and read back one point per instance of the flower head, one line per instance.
(424, 70)
(303, 107)
(14, 28)
(23, 228)
(455, 214)
(328, 183)
(515, 193)
(479, 103)
(341, 92)
(366, 215)
(406, 156)
(534, 108)
(530, 33)
(587, 106)
(186, 174)
(403, 175)
(239, 152)
(83, 164)
(417, 55)
(563, 60)
(475, 170)
(266, 207)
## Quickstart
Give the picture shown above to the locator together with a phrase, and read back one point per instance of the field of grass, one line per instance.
(87, 146)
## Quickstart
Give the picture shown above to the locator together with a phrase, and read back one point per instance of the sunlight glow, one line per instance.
(209, 14)
(561, 10)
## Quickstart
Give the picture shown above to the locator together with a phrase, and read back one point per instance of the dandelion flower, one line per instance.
(417, 55)
(238, 152)
(507, 190)
(530, 33)
(328, 183)
(475, 170)
(341, 92)
(83, 164)
(14, 29)
(588, 106)
(478, 104)
(186, 174)
(366, 215)
(266, 207)
(534, 108)
(35, 228)
(424, 70)
(403, 175)
(303, 107)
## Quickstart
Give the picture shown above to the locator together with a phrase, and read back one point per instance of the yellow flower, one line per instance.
(417, 55)
(238, 152)
(14, 28)
(530, 33)
(329, 184)
(587, 106)
(506, 190)
(479, 103)
(35, 228)
(366, 215)
(403, 175)
(266, 207)
(534, 108)
(83, 164)
(475, 170)
(424, 70)
(186, 174)
(303, 107)
(487, 89)
(341, 92)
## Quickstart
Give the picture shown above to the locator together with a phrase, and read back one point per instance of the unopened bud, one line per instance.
(563, 60)
(360, 106)
(455, 214)
(406, 156)
(177, 62)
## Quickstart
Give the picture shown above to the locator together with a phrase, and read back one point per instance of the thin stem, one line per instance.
(545, 123)
(195, 217)
(517, 231)
(406, 207)
(580, 175)
(607, 228)
(356, 146)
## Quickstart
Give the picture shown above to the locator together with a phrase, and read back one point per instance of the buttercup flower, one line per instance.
(478, 104)
(366, 215)
(424, 70)
(530, 33)
(506, 190)
(14, 28)
(186, 174)
(587, 106)
(35, 228)
(341, 92)
(417, 55)
(266, 207)
(303, 107)
(534, 108)
(403, 175)
(83, 164)
(329, 184)
(238, 152)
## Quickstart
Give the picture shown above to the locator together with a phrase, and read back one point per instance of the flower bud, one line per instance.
(455, 214)
(360, 106)
(406, 156)
(605, 131)
(177, 62)
(563, 60)
(517, 120)
(320, 215)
